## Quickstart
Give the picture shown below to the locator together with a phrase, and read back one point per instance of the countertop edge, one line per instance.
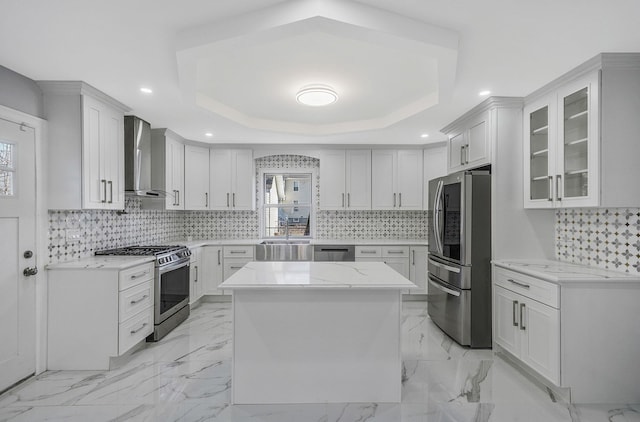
(568, 279)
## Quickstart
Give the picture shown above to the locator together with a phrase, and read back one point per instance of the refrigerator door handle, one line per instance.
(436, 219)
(444, 289)
(443, 266)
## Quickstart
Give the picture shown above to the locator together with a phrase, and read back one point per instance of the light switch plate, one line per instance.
(73, 235)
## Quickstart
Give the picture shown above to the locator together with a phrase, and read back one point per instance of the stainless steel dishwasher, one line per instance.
(334, 253)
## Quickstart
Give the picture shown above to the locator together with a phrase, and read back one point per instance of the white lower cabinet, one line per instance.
(211, 264)
(196, 287)
(418, 268)
(410, 261)
(235, 257)
(96, 314)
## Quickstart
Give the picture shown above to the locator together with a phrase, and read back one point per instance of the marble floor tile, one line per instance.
(186, 377)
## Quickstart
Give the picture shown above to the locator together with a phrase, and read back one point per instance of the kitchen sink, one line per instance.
(284, 250)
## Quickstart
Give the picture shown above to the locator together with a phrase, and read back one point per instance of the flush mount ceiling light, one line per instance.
(316, 95)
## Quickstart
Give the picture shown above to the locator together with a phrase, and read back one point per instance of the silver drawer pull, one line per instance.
(138, 275)
(242, 252)
(522, 307)
(136, 330)
(444, 289)
(445, 267)
(234, 267)
(396, 252)
(526, 286)
(133, 302)
(368, 251)
(515, 312)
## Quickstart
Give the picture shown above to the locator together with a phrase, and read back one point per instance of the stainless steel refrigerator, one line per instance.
(459, 279)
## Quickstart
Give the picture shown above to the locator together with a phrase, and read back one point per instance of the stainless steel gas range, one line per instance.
(171, 284)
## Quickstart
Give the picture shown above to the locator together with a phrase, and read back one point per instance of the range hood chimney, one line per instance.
(137, 158)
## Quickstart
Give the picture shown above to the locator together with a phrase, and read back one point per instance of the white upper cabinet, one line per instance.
(86, 147)
(167, 167)
(435, 165)
(396, 179)
(231, 179)
(469, 144)
(196, 176)
(578, 136)
(345, 180)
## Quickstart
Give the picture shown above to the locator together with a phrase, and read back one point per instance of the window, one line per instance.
(287, 204)
(7, 169)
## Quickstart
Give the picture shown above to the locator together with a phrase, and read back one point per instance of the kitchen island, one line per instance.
(316, 332)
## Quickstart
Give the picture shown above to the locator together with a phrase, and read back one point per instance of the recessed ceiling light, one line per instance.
(146, 90)
(316, 95)
(208, 134)
(424, 135)
(483, 93)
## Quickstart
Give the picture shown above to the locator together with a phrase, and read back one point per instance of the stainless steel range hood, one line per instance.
(137, 158)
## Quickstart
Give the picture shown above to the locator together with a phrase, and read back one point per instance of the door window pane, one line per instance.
(576, 157)
(7, 169)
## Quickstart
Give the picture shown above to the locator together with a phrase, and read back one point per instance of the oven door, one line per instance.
(450, 309)
(172, 289)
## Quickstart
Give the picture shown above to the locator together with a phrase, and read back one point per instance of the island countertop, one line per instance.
(317, 275)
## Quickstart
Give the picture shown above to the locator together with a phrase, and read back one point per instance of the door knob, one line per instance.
(30, 271)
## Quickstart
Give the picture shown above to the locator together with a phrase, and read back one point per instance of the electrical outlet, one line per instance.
(73, 235)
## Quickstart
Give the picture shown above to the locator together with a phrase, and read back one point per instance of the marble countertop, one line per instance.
(101, 263)
(559, 272)
(357, 275)
(366, 242)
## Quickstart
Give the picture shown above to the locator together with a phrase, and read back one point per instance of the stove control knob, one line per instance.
(161, 260)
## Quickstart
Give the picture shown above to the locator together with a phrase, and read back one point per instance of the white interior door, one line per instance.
(17, 252)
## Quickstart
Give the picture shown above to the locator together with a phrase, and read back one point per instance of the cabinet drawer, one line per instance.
(395, 251)
(135, 299)
(231, 266)
(135, 275)
(368, 251)
(238, 251)
(135, 329)
(531, 287)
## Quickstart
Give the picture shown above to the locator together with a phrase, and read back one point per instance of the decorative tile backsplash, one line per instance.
(603, 237)
(105, 229)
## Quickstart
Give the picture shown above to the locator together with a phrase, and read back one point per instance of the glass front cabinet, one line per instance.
(561, 141)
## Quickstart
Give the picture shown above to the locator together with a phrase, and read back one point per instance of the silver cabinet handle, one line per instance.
(104, 190)
(136, 330)
(138, 275)
(466, 153)
(234, 199)
(462, 154)
(227, 199)
(242, 252)
(133, 302)
(400, 200)
(175, 196)
(558, 186)
(522, 308)
(206, 200)
(368, 251)
(444, 289)
(343, 199)
(196, 279)
(394, 199)
(178, 192)
(110, 183)
(348, 200)
(445, 267)
(515, 312)
(395, 252)
(526, 286)
(219, 254)
(413, 257)
(550, 198)
(233, 267)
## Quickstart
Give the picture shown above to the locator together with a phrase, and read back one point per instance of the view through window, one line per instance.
(287, 204)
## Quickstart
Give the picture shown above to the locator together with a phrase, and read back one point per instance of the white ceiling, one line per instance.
(401, 68)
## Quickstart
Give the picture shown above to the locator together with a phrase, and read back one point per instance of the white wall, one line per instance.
(20, 93)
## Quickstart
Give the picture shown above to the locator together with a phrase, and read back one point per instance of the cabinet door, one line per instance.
(506, 320)
(220, 179)
(540, 348)
(409, 179)
(196, 174)
(478, 150)
(212, 265)
(578, 140)
(383, 183)
(332, 180)
(196, 288)
(457, 154)
(435, 165)
(232, 265)
(243, 180)
(174, 172)
(94, 184)
(358, 179)
(401, 265)
(539, 153)
(418, 268)
(113, 149)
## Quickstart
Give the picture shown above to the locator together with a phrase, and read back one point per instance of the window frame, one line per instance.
(312, 204)
(13, 171)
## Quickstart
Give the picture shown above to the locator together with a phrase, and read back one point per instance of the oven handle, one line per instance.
(174, 266)
(444, 267)
(444, 289)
